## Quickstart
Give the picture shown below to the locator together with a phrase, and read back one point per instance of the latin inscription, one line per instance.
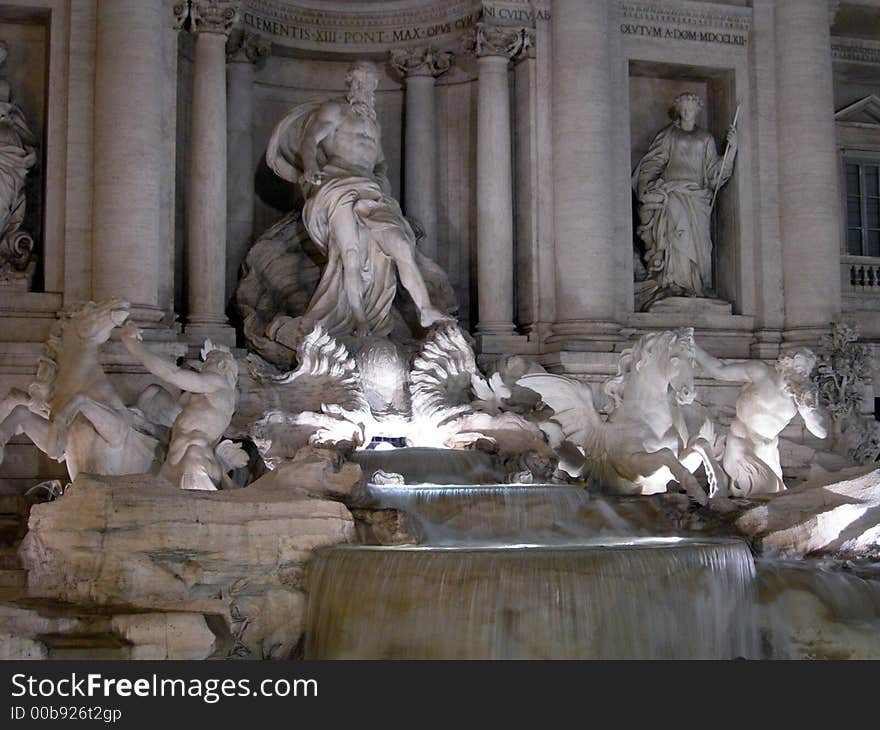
(678, 34)
(356, 37)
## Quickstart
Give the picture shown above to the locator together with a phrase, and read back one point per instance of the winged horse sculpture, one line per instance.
(644, 443)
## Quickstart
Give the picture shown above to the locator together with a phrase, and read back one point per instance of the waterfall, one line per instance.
(637, 598)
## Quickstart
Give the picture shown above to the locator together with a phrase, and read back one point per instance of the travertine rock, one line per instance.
(137, 541)
(806, 611)
(39, 632)
(834, 514)
(320, 472)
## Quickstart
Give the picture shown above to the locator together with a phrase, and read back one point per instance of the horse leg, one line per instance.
(15, 398)
(108, 423)
(21, 421)
(700, 452)
(646, 464)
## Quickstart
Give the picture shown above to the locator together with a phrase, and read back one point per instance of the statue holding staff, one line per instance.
(676, 183)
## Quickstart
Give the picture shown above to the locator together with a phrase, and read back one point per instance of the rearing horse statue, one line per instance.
(644, 442)
(72, 412)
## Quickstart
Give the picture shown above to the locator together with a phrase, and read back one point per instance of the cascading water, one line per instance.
(640, 599)
(466, 514)
(529, 571)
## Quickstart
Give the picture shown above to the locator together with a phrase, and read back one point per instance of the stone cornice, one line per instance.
(420, 61)
(245, 46)
(855, 50)
(696, 15)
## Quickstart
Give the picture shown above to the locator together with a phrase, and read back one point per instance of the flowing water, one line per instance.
(530, 571)
(637, 598)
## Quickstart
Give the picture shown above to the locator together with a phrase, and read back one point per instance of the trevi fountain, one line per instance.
(408, 329)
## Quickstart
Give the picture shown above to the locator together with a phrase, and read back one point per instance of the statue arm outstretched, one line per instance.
(736, 371)
(187, 380)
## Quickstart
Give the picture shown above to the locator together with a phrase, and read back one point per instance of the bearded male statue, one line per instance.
(333, 150)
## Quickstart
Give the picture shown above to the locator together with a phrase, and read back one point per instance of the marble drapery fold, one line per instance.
(674, 183)
(365, 193)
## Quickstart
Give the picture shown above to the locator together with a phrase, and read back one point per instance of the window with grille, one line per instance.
(863, 207)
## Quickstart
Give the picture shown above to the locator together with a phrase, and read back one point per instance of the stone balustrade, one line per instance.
(860, 275)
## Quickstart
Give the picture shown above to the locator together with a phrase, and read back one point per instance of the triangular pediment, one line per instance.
(863, 112)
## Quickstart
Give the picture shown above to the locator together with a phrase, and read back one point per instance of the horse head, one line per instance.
(658, 361)
(94, 322)
(678, 361)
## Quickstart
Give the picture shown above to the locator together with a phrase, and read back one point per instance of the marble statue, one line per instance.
(72, 411)
(197, 458)
(771, 397)
(675, 184)
(644, 442)
(17, 157)
(333, 150)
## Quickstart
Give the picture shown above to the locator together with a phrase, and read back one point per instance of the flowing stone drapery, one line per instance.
(419, 68)
(808, 208)
(211, 21)
(245, 52)
(494, 48)
(127, 206)
(586, 276)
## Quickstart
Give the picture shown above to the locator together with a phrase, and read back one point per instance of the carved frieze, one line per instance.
(696, 15)
(679, 21)
(855, 50)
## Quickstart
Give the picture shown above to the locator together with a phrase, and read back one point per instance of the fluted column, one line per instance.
(494, 47)
(808, 201)
(128, 159)
(583, 181)
(245, 51)
(419, 68)
(210, 21)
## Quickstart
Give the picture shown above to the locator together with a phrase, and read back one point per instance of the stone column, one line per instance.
(494, 48)
(210, 21)
(128, 158)
(419, 68)
(245, 51)
(583, 193)
(808, 175)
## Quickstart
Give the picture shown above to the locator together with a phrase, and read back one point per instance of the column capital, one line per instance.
(207, 16)
(495, 40)
(421, 61)
(245, 46)
(833, 8)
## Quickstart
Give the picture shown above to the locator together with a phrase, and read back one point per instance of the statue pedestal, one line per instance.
(692, 305)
